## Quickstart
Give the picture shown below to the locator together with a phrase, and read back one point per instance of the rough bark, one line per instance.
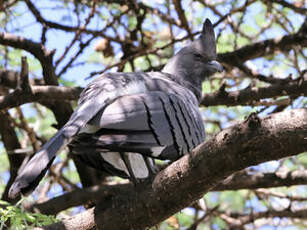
(239, 180)
(252, 142)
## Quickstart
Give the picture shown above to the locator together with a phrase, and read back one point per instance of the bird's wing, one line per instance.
(154, 118)
(170, 115)
(97, 95)
(156, 124)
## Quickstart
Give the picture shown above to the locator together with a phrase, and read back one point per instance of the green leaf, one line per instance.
(20, 219)
(302, 158)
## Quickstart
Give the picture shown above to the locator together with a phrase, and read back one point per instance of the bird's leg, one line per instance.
(151, 168)
(128, 165)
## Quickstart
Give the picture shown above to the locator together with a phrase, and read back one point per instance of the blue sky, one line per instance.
(58, 40)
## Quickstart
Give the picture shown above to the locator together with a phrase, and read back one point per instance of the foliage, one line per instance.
(93, 37)
(17, 218)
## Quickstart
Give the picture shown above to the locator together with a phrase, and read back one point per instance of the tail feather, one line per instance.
(29, 176)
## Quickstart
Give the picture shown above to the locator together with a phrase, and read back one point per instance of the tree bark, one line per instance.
(237, 181)
(252, 142)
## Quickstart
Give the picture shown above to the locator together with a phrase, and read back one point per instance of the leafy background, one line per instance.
(141, 36)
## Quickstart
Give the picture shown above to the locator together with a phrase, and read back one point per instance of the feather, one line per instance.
(125, 120)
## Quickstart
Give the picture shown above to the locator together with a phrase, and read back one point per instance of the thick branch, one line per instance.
(266, 47)
(62, 110)
(39, 94)
(221, 97)
(240, 180)
(35, 48)
(252, 142)
(19, 42)
(248, 95)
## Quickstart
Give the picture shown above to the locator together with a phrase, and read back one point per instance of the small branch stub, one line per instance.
(23, 80)
(253, 121)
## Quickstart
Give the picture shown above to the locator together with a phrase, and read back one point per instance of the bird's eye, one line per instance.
(198, 56)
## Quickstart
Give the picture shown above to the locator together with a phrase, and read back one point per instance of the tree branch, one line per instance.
(252, 142)
(240, 180)
(79, 197)
(37, 50)
(11, 142)
(237, 219)
(66, 28)
(245, 180)
(221, 97)
(62, 110)
(250, 95)
(301, 10)
(266, 47)
(8, 78)
(39, 94)
(183, 20)
(245, 53)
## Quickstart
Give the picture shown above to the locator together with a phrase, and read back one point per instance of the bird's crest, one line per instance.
(205, 44)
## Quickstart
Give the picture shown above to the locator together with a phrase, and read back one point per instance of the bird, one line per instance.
(124, 121)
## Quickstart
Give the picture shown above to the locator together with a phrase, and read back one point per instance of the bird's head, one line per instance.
(196, 61)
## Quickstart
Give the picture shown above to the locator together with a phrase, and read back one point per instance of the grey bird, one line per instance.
(125, 120)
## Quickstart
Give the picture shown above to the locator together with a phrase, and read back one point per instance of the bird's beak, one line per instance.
(216, 65)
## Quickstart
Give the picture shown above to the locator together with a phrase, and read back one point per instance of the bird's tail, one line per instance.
(30, 175)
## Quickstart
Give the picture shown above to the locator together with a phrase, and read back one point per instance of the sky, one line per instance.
(58, 40)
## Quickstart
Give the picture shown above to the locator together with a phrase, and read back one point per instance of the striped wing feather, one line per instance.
(155, 124)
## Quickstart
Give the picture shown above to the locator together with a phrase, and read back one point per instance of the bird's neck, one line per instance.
(183, 77)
